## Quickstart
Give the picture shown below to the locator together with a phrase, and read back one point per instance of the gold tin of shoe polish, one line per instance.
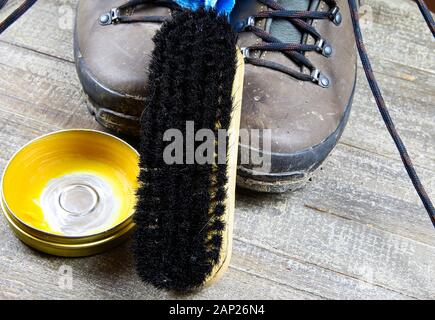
(71, 193)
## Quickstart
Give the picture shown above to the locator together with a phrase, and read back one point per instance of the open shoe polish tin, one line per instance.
(71, 193)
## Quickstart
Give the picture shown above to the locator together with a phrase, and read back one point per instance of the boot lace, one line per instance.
(294, 51)
(383, 108)
(16, 14)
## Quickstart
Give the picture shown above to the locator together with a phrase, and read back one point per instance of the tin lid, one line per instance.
(72, 192)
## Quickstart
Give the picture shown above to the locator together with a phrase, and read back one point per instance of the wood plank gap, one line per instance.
(277, 282)
(37, 51)
(366, 225)
(27, 117)
(287, 256)
(386, 156)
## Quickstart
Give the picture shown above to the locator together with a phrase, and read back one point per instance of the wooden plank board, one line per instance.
(15, 126)
(56, 89)
(46, 27)
(256, 270)
(55, 96)
(27, 273)
(339, 234)
(357, 231)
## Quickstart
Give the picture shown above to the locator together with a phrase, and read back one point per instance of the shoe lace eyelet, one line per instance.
(324, 48)
(110, 17)
(245, 52)
(320, 79)
(335, 15)
(248, 23)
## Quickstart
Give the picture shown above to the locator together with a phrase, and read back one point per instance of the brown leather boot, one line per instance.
(299, 82)
(112, 57)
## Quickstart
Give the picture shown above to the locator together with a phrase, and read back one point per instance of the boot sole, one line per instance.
(120, 123)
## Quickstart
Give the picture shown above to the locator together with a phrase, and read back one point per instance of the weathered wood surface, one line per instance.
(357, 231)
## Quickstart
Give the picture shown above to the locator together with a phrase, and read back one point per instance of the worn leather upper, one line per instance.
(117, 55)
(300, 114)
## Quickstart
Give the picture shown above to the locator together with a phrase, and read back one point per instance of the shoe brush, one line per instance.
(184, 212)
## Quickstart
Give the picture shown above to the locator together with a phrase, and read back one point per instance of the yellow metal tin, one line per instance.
(62, 154)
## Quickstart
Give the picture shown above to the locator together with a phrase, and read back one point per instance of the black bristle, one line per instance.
(217, 225)
(179, 214)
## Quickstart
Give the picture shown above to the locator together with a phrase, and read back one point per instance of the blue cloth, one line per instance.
(221, 6)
